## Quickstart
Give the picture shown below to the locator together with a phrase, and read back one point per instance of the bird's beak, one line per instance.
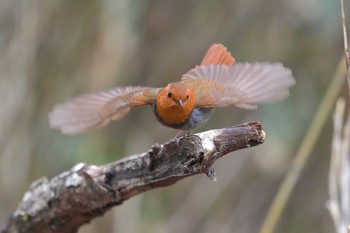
(179, 102)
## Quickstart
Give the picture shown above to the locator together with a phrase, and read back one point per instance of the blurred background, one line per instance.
(51, 51)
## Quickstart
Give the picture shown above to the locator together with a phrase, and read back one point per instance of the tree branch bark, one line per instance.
(77, 196)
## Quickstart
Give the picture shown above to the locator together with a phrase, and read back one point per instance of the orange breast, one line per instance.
(172, 115)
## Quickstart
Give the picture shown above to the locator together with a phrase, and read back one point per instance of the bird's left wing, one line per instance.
(244, 85)
(95, 110)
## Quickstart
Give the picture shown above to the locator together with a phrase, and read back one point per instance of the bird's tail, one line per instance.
(217, 54)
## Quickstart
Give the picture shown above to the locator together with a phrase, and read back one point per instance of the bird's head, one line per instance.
(176, 102)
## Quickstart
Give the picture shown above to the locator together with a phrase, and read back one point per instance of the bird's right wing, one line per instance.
(244, 85)
(98, 109)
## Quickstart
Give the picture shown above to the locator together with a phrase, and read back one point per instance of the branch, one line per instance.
(77, 196)
(345, 34)
(346, 43)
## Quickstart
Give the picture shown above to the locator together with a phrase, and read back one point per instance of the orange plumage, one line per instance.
(174, 104)
(217, 82)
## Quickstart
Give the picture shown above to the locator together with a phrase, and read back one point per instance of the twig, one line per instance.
(304, 151)
(339, 171)
(345, 34)
(346, 42)
(85, 192)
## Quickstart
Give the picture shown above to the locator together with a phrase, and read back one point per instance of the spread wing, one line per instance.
(244, 85)
(98, 109)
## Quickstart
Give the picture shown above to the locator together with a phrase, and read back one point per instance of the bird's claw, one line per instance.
(177, 139)
(178, 136)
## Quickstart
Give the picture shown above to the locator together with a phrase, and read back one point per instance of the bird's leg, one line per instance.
(179, 134)
(177, 137)
(188, 132)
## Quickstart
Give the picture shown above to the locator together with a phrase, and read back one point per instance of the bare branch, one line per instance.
(85, 192)
(346, 43)
(345, 34)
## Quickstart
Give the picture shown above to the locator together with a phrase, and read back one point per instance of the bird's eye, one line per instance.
(170, 95)
(187, 96)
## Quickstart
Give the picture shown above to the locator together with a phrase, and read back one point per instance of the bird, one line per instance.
(183, 105)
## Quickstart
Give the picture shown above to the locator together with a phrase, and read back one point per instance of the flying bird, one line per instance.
(217, 82)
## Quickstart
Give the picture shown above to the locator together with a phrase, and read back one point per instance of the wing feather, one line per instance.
(98, 109)
(244, 85)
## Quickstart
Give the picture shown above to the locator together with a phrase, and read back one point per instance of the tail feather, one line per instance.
(217, 54)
